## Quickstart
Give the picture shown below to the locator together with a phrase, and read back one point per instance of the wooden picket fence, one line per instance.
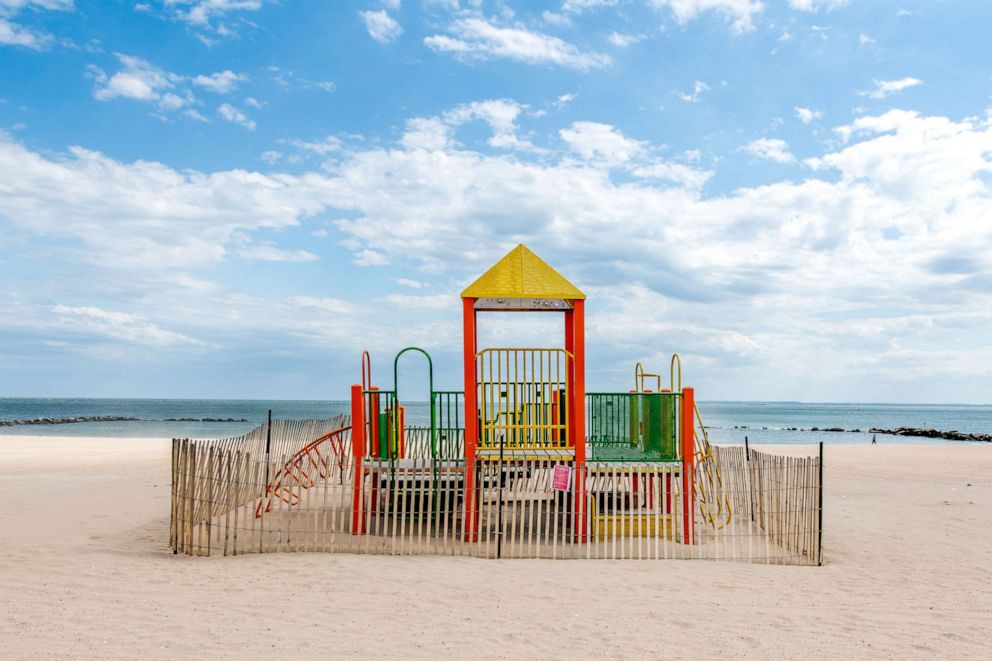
(231, 497)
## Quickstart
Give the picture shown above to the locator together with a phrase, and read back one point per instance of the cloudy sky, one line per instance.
(232, 198)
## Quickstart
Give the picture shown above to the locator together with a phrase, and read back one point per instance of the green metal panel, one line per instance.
(632, 426)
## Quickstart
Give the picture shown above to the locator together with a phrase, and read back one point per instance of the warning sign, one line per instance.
(561, 479)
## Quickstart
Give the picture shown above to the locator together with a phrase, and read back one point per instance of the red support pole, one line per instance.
(688, 466)
(570, 367)
(579, 380)
(471, 416)
(577, 410)
(358, 454)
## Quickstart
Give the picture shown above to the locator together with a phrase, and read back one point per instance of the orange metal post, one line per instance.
(570, 366)
(471, 416)
(688, 466)
(578, 413)
(579, 380)
(358, 453)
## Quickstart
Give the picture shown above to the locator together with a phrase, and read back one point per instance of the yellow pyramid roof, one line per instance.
(522, 274)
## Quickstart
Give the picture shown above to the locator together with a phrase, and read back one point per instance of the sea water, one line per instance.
(726, 422)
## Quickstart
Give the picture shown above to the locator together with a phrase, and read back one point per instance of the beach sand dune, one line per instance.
(85, 572)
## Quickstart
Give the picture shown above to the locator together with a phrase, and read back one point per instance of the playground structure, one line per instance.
(521, 462)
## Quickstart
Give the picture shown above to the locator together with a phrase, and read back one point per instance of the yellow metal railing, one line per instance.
(522, 398)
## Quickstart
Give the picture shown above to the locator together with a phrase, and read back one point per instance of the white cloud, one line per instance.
(327, 304)
(434, 133)
(321, 147)
(430, 134)
(367, 257)
(807, 115)
(623, 40)
(816, 5)
(884, 88)
(600, 142)
(116, 325)
(266, 252)
(927, 160)
(144, 215)
(381, 26)
(140, 80)
(881, 254)
(221, 82)
(501, 116)
(13, 34)
(555, 18)
(864, 39)
(201, 12)
(740, 12)
(253, 102)
(771, 149)
(425, 302)
(137, 79)
(698, 88)
(690, 178)
(578, 6)
(234, 115)
(412, 284)
(475, 37)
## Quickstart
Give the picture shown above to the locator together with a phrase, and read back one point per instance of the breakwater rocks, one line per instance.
(205, 420)
(933, 433)
(67, 421)
(898, 431)
(105, 418)
(800, 428)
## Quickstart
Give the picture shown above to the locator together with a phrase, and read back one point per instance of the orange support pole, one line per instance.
(358, 454)
(579, 380)
(471, 416)
(575, 343)
(688, 466)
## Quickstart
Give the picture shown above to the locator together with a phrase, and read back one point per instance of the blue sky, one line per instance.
(232, 198)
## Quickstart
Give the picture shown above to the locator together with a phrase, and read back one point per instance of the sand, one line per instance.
(85, 572)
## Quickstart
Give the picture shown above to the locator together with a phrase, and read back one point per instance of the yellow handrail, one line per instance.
(639, 376)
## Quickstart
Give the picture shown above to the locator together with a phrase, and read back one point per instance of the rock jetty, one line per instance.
(205, 420)
(898, 431)
(933, 433)
(104, 418)
(67, 421)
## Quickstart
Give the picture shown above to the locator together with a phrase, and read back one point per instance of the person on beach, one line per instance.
(873, 441)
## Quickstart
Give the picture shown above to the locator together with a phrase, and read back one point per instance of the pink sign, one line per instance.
(561, 479)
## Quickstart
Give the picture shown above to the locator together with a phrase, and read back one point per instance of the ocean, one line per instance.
(726, 422)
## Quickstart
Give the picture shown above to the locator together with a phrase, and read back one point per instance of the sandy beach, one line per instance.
(85, 572)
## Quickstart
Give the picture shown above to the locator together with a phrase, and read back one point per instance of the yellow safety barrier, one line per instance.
(522, 398)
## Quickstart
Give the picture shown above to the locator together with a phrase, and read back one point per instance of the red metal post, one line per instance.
(570, 367)
(358, 454)
(575, 337)
(471, 415)
(579, 380)
(688, 466)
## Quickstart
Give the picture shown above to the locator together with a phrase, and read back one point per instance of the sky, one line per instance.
(234, 198)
